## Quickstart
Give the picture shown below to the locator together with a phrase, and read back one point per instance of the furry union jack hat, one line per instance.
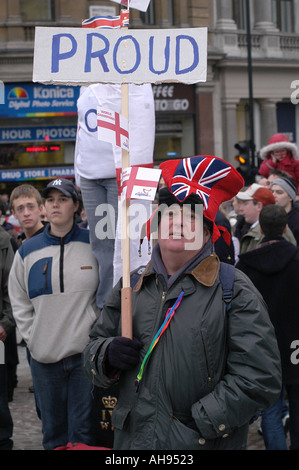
(205, 179)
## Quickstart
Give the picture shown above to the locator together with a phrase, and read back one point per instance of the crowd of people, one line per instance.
(214, 311)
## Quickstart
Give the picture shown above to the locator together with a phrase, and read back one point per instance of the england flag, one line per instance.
(139, 183)
(113, 128)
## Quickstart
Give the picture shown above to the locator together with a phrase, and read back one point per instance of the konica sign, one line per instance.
(37, 100)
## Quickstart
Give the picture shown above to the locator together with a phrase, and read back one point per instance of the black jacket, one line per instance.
(226, 253)
(273, 268)
(293, 221)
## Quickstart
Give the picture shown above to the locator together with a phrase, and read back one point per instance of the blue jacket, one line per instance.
(52, 287)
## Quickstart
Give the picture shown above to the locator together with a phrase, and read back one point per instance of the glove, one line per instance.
(123, 353)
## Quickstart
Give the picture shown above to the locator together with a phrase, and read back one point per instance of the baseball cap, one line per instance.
(63, 185)
(257, 192)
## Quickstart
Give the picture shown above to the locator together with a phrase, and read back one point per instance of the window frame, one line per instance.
(50, 8)
(282, 18)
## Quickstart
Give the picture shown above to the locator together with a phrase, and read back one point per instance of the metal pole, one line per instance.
(249, 59)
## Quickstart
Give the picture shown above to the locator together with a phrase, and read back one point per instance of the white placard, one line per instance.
(82, 56)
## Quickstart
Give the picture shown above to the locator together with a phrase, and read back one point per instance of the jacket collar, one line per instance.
(205, 272)
(53, 240)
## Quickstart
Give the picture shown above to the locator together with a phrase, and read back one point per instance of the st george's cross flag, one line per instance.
(110, 22)
(141, 5)
(113, 128)
(139, 183)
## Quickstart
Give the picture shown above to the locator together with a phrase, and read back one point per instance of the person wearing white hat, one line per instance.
(251, 203)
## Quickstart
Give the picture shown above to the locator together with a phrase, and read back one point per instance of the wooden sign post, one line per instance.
(126, 294)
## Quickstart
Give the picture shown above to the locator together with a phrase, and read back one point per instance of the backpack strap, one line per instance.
(227, 278)
(135, 275)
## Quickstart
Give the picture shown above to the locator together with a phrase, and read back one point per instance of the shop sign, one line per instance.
(38, 100)
(80, 56)
(37, 134)
(37, 174)
(174, 98)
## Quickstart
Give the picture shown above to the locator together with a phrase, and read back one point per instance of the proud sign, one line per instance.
(81, 56)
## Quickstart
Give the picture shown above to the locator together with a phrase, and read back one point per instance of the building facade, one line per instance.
(274, 28)
(38, 122)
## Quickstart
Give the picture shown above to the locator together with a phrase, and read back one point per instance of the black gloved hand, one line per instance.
(123, 353)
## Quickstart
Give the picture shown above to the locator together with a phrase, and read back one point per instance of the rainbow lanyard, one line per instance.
(164, 326)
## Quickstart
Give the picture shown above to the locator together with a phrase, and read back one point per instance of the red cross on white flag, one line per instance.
(113, 128)
(139, 183)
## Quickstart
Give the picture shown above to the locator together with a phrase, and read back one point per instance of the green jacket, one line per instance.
(254, 237)
(209, 367)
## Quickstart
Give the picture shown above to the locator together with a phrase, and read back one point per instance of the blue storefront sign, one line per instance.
(37, 100)
(37, 134)
(36, 174)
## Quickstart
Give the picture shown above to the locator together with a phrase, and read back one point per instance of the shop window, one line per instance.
(282, 15)
(37, 10)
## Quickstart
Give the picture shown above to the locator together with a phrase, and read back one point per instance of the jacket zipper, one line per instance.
(61, 265)
(207, 362)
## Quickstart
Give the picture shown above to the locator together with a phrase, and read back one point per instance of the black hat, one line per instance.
(63, 185)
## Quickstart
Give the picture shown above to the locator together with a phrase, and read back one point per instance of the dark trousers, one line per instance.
(6, 424)
(293, 398)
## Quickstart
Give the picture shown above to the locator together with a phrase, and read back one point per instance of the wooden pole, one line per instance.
(126, 292)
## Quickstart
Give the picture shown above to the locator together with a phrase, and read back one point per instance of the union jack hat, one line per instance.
(211, 179)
